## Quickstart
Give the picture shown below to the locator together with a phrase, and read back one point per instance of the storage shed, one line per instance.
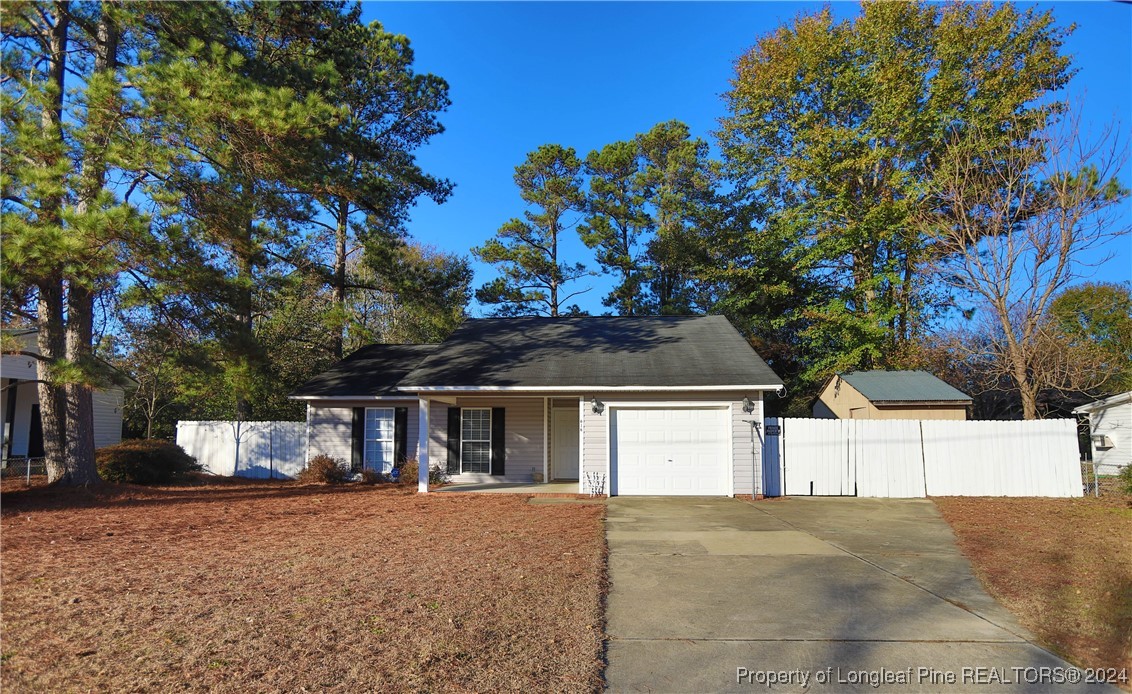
(890, 395)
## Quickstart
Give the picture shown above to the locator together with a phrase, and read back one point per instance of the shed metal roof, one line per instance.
(903, 386)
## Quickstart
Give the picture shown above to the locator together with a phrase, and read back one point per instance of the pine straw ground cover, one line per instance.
(1062, 566)
(272, 586)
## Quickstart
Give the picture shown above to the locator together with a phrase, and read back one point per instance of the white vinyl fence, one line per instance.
(915, 458)
(246, 449)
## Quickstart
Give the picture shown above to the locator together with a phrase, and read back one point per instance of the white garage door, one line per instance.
(678, 451)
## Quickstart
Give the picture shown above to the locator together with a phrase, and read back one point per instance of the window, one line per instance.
(378, 452)
(475, 439)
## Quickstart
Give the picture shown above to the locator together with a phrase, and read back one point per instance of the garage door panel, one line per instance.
(670, 451)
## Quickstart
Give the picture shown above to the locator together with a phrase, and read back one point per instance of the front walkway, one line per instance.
(849, 590)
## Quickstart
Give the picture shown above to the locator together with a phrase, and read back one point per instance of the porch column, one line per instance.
(422, 446)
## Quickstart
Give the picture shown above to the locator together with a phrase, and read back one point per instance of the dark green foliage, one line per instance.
(322, 469)
(1125, 478)
(144, 461)
(533, 278)
(834, 133)
(650, 206)
(1099, 315)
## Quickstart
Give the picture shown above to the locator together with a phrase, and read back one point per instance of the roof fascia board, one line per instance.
(578, 389)
(406, 396)
(880, 403)
(1111, 401)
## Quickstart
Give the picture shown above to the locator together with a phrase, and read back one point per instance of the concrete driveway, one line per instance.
(826, 594)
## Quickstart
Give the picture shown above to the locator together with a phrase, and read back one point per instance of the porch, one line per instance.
(515, 443)
(548, 488)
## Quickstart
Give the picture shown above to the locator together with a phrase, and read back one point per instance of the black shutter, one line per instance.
(498, 442)
(453, 440)
(400, 432)
(358, 439)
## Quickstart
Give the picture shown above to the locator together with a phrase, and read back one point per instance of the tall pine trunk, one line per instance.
(81, 294)
(51, 338)
(52, 398)
(341, 238)
(80, 400)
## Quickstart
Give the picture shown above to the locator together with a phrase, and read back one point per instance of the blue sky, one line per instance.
(586, 74)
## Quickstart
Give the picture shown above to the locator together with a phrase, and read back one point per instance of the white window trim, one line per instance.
(366, 437)
(488, 441)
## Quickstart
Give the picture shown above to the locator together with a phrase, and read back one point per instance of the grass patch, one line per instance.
(1062, 566)
(286, 587)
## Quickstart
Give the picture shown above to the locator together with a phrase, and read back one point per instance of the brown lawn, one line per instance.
(1063, 566)
(275, 586)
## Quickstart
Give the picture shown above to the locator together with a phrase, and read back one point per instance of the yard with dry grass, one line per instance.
(276, 586)
(1063, 566)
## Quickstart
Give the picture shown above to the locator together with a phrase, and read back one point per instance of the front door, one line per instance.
(565, 451)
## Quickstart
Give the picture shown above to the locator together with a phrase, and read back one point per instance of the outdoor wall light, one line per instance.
(597, 405)
(748, 406)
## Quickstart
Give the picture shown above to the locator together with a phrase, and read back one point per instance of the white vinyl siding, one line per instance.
(107, 406)
(595, 431)
(1116, 423)
(331, 427)
(475, 439)
(378, 449)
(523, 431)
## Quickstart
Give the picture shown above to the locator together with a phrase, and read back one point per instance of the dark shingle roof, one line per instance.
(903, 386)
(593, 351)
(370, 371)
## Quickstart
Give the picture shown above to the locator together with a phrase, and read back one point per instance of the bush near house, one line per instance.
(325, 470)
(1125, 480)
(410, 470)
(144, 461)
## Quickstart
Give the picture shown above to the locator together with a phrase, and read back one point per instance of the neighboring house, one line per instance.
(890, 395)
(1110, 432)
(19, 404)
(623, 405)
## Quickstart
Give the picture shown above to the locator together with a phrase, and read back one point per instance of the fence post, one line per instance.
(29, 471)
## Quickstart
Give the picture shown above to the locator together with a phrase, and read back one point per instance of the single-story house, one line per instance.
(889, 395)
(622, 405)
(19, 403)
(1110, 432)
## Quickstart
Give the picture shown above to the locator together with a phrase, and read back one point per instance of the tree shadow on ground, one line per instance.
(200, 490)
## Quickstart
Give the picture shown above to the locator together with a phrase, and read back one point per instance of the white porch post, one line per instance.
(422, 445)
(545, 439)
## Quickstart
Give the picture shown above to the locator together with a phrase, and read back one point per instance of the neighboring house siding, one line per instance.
(107, 406)
(595, 431)
(19, 366)
(27, 394)
(524, 431)
(1115, 422)
(332, 427)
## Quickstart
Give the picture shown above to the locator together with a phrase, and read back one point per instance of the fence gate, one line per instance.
(916, 458)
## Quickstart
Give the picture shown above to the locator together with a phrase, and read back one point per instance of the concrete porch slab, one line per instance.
(512, 488)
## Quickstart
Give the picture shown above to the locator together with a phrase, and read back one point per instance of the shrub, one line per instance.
(144, 461)
(409, 470)
(1125, 478)
(322, 468)
(368, 476)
